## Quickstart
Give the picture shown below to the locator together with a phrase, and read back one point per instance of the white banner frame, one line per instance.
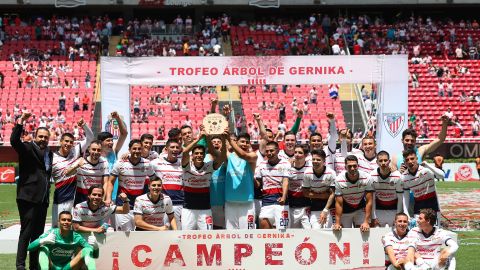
(390, 71)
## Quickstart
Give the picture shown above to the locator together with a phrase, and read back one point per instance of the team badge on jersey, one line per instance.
(284, 220)
(393, 123)
(251, 222)
(209, 222)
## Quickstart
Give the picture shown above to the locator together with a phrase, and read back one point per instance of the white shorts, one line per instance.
(125, 222)
(218, 215)
(433, 265)
(194, 219)
(315, 217)
(58, 208)
(277, 214)
(353, 219)
(300, 217)
(240, 215)
(386, 217)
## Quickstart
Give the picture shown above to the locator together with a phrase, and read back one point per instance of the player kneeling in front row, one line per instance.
(150, 209)
(429, 241)
(319, 186)
(62, 248)
(397, 244)
(89, 216)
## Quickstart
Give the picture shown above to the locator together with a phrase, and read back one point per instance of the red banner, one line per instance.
(7, 175)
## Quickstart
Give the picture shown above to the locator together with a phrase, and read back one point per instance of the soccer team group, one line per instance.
(219, 182)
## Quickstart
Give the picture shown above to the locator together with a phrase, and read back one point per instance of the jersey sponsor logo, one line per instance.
(393, 123)
(62, 252)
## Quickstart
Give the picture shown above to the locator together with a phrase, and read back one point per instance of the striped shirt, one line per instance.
(353, 193)
(64, 185)
(399, 244)
(366, 165)
(196, 185)
(319, 184)
(92, 219)
(132, 177)
(386, 189)
(88, 175)
(153, 212)
(429, 246)
(340, 159)
(422, 184)
(295, 192)
(329, 160)
(152, 155)
(171, 175)
(272, 178)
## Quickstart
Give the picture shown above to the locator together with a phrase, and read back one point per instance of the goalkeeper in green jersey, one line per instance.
(63, 249)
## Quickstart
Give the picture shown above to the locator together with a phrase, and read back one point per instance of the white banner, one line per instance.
(243, 249)
(118, 73)
(460, 172)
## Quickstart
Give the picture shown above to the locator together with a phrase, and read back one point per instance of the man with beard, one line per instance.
(421, 182)
(150, 209)
(67, 155)
(132, 175)
(239, 184)
(319, 187)
(353, 197)
(89, 215)
(33, 186)
(299, 204)
(388, 188)
(63, 248)
(169, 169)
(409, 140)
(272, 176)
(397, 244)
(93, 170)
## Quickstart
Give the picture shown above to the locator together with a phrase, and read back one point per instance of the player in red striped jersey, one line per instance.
(66, 156)
(169, 169)
(150, 209)
(398, 246)
(353, 197)
(197, 211)
(89, 215)
(299, 205)
(388, 187)
(319, 187)
(90, 171)
(132, 175)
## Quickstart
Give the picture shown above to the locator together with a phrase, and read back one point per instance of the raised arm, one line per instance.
(123, 132)
(424, 150)
(332, 136)
(88, 134)
(213, 105)
(15, 137)
(188, 148)
(262, 143)
(296, 125)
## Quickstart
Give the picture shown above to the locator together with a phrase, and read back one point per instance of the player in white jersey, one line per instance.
(398, 246)
(367, 158)
(273, 176)
(197, 212)
(150, 209)
(319, 187)
(316, 142)
(388, 187)
(147, 144)
(132, 176)
(89, 215)
(353, 197)
(421, 182)
(169, 170)
(92, 170)
(299, 204)
(429, 244)
(64, 158)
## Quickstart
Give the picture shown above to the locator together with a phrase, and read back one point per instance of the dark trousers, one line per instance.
(32, 221)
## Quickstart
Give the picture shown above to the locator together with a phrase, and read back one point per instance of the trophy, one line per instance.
(215, 123)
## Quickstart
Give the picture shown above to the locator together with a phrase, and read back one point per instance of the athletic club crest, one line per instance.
(393, 123)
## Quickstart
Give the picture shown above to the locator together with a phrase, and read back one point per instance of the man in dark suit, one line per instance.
(35, 163)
